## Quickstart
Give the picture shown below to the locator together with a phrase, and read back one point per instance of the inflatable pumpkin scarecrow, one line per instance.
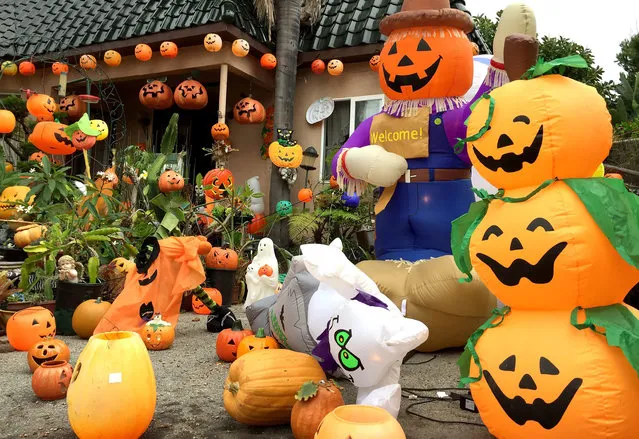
(559, 248)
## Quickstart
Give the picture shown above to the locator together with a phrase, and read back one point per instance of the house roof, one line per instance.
(35, 27)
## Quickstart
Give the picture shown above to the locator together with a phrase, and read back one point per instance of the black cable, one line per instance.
(429, 399)
(422, 362)
(440, 421)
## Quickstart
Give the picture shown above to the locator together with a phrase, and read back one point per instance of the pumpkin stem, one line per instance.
(233, 387)
(307, 391)
(260, 333)
(237, 325)
(98, 300)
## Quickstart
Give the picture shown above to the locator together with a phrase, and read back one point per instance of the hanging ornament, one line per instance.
(88, 62)
(156, 95)
(59, 67)
(335, 67)
(285, 152)
(213, 42)
(143, 52)
(318, 66)
(27, 68)
(101, 126)
(249, 110)
(112, 58)
(240, 47)
(284, 208)
(41, 106)
(268, 61)
(374, 63)
(305, 195)
(351, 201)
(9, 68)
(168, 49)
(191, 95)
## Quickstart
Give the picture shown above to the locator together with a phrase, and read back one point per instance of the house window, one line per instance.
(348, 114)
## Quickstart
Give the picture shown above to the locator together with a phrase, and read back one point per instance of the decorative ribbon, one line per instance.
(459, 146)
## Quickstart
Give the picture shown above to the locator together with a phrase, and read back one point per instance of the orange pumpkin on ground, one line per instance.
(170, 181)
(47, 350)
(359, 421)
(29, 326)
(229, 340)
(41, 106)
(156, 95)
(202, 309)
(157, 334)
(191, 95)
(249, 110)
(315, 400)
(256, 342)
(87, 316)
(51, 380)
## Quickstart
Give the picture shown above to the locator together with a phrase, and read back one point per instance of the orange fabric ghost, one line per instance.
(163, 271)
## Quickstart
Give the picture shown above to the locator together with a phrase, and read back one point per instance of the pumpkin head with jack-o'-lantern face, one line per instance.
(88, 62)
(191, 95)
(220, 131)
(42, 107)
(548, 253)
(218, 183)
(156, 95)
(29, 326)
(11, 197)
(47, 350)
(240, 47)
(249, 110)
(543, 378)
(213, 42)
(285, 156)
(82, 141)
(158, 334)
(143, 52)
(335, 67)
(170, 181)
(542, 128)
(50, 137)
(73, 106)
(168, 49)
(59, 67)
(112, 58)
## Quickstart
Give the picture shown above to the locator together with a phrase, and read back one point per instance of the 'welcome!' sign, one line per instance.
(405, 136)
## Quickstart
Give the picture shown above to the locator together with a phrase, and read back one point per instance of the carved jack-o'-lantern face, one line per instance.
(47, 350)
(170, 181)
(249, 110)
(73, 106)
(156, 95)
(212, 42)
(191, 95)
(218, 183)
(285, 156)
(220, 131)
(59, 67)
(169, 49)
(51, 138)
(536, 132)
(101, 126)
(143, 52)
(112, 58)
(548, 253)
(29, 326)
(82, 141)
(42, 107)
(426, 62)
(88, 62)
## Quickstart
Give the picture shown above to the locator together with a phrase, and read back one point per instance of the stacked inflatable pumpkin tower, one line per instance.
(559, 249)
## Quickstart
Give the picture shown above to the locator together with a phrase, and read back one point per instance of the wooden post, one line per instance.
(224, 76)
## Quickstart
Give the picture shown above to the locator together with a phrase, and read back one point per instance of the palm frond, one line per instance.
(266, 12)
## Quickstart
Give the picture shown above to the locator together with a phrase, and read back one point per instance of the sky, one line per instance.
(600, 26)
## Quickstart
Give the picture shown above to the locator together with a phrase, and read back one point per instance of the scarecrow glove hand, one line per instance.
(375, 165)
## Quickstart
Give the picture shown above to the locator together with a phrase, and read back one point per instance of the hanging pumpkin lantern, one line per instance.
(29, 326)
(168, 49)
(12, 196)
(82, 141)
(228, 341)
(318, 66)
(374, 63)
(220, 131)
(240, 47)
(212, 42)
(257, 224)
(73, 106)
(285, 156)
(268, 61)
(112, 58)
(360, 421)
(255, 342)
(191, 95)
(157, 334)
(83, 135)
(335, 67)
(156, 95)
(305, 195)
(284, 208)
(88, 62)
(51, 138)
(249, 110)
(143, 52)
(260, 388)
(87, 316)
(9, 68)
(41, 106)
(59, 67)
(7, 122)
(221, 259)
(102, 127)
(27, 68)
(28, 234)
(113, 367)
(201, 308)
(170, 181)
(47, 350)
(51, 380)
(526, 146)
(315, 400)
(220, 181)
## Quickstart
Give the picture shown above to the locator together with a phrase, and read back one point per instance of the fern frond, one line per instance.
(302, 227)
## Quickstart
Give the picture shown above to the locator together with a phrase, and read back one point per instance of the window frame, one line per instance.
(353, 102)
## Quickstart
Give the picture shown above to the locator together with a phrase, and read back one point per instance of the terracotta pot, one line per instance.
(51, 380)
(19, 306)
(359, 421)
(68, 297)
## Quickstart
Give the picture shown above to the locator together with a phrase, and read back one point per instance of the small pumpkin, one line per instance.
(315, 400)
(158, 334)
(249, 110)
(170, 181)
(9, 68)
(359, 421)
(260, 388)
(156, 95)
(212, 42)
(87, 316)
(285, 156)
(29, 326)
(374, 63)
(318, 66)
(82, 141)
(101, 126)
(268, 61)
(229, 339)
(37, 157)
(200, 308)
(305, 195)
(8, 166)
(168, 49)
(122, 265)
(27, 68)
(218, 183)
(257, 224)
(333, 183)
(240, 47)
(335, 67)
(256, 342)
(222, 259)
(143, 52)
(73, 106)
(88, 62)
(265, 270)
(47, 350)
(51, 138)
(41, 106)
(112, 58)
(7, 121)
(28, 234)
(11, 197)
(191, 95)
(59, 67)
(51, 380)
(220, 131)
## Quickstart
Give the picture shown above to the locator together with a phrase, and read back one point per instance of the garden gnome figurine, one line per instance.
(67, 269)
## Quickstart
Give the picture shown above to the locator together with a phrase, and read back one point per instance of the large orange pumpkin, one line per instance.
(170, 181)
(220, 181)
(87, 316)
(50, 137)
(359, 421)
(249, 110)
(156, 95)
(543, 378)
(73, 106)
(191, 95)
(29, 326)
(41, 106)
(538, 131)
(426, 62)
(47, 350)
(548, 253)
(7, 122)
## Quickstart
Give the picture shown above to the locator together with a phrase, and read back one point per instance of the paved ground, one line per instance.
(189, 390)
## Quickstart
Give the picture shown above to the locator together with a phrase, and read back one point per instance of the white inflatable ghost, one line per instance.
(360, 332)
(257, 203)
(262, 274)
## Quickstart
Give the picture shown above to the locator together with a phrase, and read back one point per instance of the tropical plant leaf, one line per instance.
(169, 139)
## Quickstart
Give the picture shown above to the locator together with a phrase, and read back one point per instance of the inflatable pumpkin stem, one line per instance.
(204, 298)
